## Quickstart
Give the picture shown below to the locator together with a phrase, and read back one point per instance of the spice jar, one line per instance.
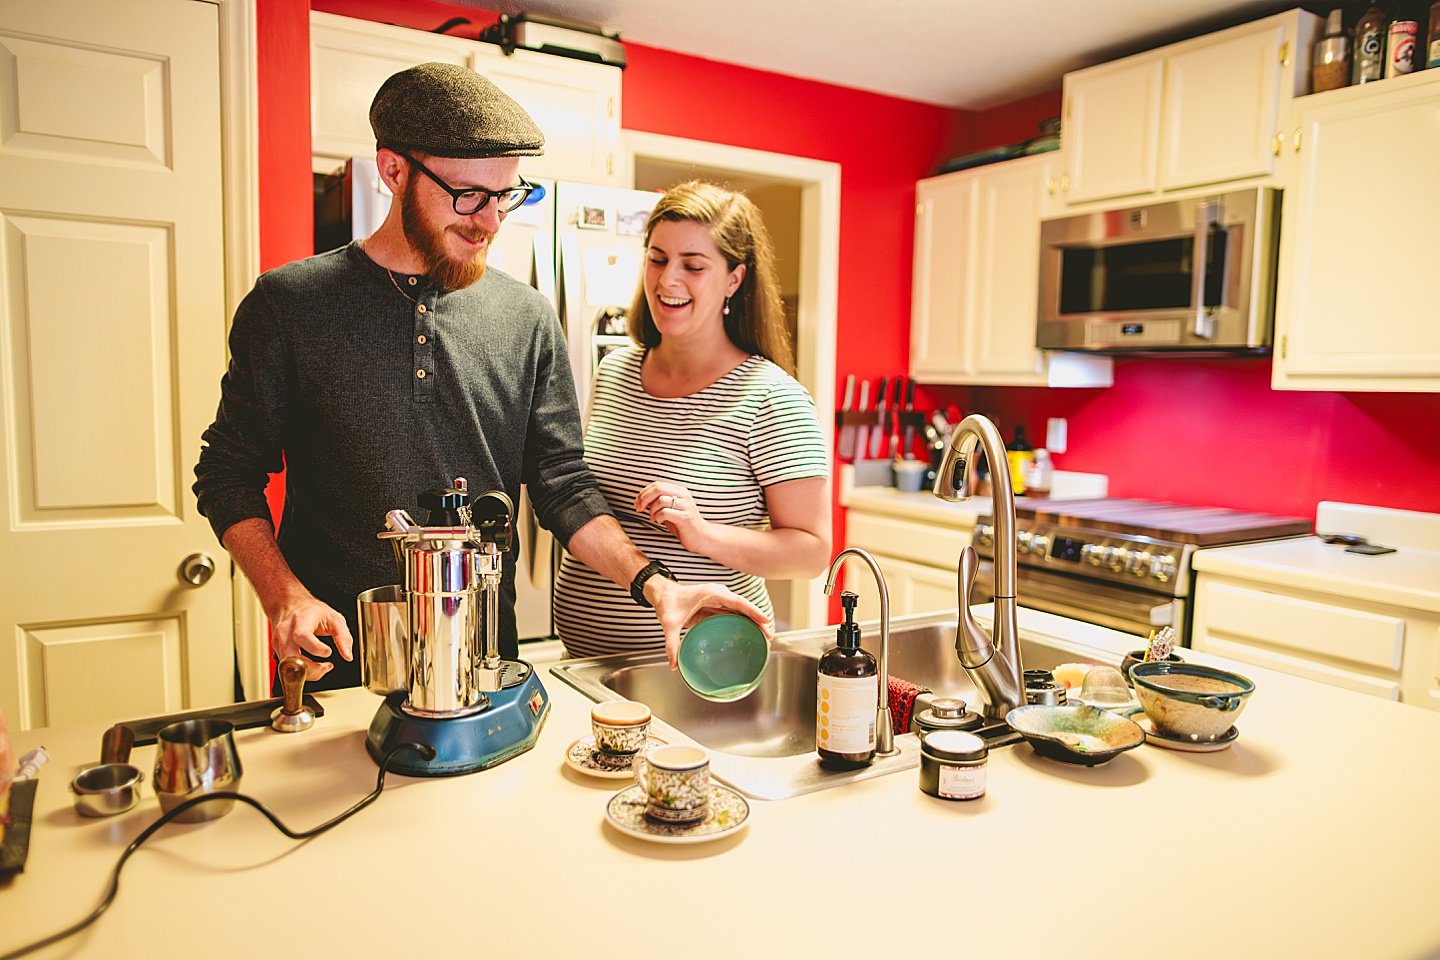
(953, 765)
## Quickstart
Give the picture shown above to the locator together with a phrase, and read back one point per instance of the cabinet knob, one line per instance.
(1064, 183)
(1050, 186)
(1277, 143)
(1297, 139)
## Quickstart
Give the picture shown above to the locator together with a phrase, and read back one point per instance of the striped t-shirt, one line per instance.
(753, 428)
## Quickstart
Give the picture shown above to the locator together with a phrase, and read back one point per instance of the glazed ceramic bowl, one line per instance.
(1075, 734)
(723, 657)
(1138, 656)
(1190, 701)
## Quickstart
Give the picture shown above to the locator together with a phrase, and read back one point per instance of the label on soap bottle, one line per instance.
(845, 713)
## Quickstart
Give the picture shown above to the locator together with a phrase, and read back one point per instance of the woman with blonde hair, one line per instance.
(707, 449)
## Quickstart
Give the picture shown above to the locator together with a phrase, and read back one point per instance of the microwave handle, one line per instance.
(1206, 214)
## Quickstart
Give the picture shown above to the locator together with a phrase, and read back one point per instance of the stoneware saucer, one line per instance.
(583, 757)
(1178, 743)
(728, 813)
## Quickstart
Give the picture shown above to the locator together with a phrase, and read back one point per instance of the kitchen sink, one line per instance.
(764, 744)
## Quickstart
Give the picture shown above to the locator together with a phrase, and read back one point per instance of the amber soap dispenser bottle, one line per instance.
(847, 698)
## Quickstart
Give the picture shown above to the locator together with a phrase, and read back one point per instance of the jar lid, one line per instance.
(947, 707)
(954, 745)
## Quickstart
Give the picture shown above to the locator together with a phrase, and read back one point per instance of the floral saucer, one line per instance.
(1159, 739)
(728, 813)
(583, 757)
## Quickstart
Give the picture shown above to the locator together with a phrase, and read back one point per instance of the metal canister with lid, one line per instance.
(953, 765)
(946, 713)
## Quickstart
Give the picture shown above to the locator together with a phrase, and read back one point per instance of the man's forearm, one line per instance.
(603, 547)
(252, 545)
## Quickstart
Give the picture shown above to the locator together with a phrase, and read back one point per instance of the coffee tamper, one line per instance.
(292, 716)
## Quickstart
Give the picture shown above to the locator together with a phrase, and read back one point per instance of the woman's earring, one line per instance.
(726, 311)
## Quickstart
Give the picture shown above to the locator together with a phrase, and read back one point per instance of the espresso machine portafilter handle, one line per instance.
(491, 518)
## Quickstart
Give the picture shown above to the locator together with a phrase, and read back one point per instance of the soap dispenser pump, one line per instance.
(848, 686)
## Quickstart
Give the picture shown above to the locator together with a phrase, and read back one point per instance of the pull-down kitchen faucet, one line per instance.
(993, 665)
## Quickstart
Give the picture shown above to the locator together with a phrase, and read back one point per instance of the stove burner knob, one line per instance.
(984, 534)
(1162, 568)
(1137, 562)
(1115, 558)
(1092, 554)
(1040, 545)
(1022, 542)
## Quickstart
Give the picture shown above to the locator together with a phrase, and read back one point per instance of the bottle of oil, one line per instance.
(847, 698)
(1368, 60)
(1330, 68)
(1020, 454)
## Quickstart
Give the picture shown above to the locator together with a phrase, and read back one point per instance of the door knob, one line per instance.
(197, 569)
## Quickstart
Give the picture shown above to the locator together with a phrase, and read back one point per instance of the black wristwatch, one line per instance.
(637, 586)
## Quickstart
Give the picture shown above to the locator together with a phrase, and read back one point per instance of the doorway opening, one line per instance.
(799, 200)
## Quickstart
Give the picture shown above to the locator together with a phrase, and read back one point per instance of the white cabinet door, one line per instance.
(1006, 275)
(1220, 107)
(1111, 129)
(976, 290)
(576, 104)
(943, 247)
(1357, 247)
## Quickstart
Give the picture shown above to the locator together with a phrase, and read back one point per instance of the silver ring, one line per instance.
(672, 503)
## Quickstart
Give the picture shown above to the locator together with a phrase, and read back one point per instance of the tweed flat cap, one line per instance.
(449, 111)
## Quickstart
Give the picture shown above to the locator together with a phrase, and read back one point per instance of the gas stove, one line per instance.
(1123, 564)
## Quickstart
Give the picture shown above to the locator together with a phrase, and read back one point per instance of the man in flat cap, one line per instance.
(397, 363)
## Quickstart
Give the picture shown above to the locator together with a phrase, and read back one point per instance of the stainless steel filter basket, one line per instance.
(384, 615)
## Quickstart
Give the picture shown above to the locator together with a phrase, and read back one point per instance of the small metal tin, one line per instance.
(953, 765)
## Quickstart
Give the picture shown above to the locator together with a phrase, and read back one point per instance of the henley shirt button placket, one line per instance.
(424, 354)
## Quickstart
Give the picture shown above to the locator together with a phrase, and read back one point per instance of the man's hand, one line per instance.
(294, 629)
(679, 605)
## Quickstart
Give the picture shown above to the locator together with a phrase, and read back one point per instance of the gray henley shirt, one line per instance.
(367, 397)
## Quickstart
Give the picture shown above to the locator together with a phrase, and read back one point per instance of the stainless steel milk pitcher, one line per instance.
(451, 567)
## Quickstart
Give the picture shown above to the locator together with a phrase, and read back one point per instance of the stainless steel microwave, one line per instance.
(1195, 275)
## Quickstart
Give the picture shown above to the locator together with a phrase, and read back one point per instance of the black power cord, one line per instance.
(426, 751)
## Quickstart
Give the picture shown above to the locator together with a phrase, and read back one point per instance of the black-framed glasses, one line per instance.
(473, 200)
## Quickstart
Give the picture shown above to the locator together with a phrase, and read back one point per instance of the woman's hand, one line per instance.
(669, 505)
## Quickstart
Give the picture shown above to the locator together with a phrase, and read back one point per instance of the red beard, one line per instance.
(428, 239)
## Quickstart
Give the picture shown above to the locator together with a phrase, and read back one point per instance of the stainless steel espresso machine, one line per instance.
(431, 647)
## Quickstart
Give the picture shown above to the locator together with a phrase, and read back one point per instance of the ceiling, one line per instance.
(956, 53)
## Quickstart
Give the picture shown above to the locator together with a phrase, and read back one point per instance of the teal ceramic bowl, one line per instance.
(724, 657)
(1078, 734)
(1189, 701)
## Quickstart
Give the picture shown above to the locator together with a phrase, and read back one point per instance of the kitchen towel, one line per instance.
(901, 695)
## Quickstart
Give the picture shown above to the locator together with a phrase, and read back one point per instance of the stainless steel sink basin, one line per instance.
(764, 745)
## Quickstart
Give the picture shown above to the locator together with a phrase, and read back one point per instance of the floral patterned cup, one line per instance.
(676, 781)
(620, 727)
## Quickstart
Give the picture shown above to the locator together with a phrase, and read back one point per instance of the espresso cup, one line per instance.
(620, 727)
(676, 781)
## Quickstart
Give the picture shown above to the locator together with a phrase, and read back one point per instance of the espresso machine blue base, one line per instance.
(508, 726)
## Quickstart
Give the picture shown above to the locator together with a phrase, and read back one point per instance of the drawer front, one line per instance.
(918, 543)
(1307, 669)
(1309, 626)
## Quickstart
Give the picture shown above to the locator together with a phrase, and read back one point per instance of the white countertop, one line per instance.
(1406, 578)
(1313, 835)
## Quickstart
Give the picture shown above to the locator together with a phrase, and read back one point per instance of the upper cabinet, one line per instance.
(977, 281)
(1208, 110)
(574, 102)
(1357, 240)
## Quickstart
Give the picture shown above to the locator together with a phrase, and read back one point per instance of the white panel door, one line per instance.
(940, 296)
(112, 319)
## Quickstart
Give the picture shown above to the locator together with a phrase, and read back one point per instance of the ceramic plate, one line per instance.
(1177, 743)
(728, 813)
(581, 756)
